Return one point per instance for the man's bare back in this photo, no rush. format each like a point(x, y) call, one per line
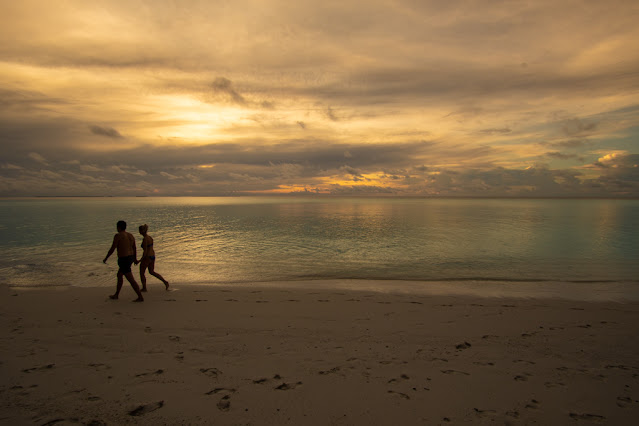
point(125, 244)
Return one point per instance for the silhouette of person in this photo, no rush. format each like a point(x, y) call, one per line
point(124, 242)
point(148, 258)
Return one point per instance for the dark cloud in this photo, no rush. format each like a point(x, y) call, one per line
point(109, 132)
point(360, 190)
point(331, 114)
point(225, 86)
point(577, 127)
point(495, 131)
point(560, 156)
point(571, 143)
point(27, 101)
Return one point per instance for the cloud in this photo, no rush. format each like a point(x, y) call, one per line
point(577, 127)
point(299, 95)
point(225, 86)
point(9, 166)
point(337, 189)
point(351, 171)
point(559, 155)
point(169, 176)
point(37, 157)
point(109, 132)
point(331, 114)
point(495, 131)
point(89, 168)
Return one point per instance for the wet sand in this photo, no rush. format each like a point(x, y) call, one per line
point(265, 355)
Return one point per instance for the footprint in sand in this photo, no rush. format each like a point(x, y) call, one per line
point(523, 361)
point(463, 346)
point(100, 367)
point(455, 372)
point(331, 371)
point(402, 377)
point(617, 367)
point(489, 336)
point(623, 401)
point(403, 395)
point(147, 408)
point(221, 390)
point(224, 404)
point(533, 404)
point(44, 367)
point(265, 380)
point(483, 413)
point(586, 416)
point(155, 373)
point(211, 372)
point(288, 386)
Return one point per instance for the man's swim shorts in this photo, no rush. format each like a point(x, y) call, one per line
point(125, 263)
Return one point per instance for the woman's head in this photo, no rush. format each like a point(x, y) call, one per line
point(143, 229)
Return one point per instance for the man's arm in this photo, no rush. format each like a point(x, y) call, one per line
point(113, 247)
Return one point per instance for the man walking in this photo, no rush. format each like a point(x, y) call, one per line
point(124, 242)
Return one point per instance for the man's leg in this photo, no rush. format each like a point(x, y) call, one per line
point(136, 287)
point(118, 287)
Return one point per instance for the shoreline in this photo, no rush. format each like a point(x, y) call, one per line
point(595, 291)
point(264, 354)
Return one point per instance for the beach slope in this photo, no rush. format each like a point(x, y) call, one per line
point(265, 355)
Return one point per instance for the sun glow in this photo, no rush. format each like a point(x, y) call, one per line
point(194, 121)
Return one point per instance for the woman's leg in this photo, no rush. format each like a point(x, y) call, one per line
point(156, 275)
point(143, 265)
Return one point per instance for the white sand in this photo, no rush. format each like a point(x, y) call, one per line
point(260, 355)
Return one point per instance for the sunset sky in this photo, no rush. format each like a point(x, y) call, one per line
point(404, 97)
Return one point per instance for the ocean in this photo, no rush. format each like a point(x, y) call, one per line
point(582, 243)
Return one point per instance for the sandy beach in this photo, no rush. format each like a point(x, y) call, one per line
point(264, 355)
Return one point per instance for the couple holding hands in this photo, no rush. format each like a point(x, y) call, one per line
point(124, 243)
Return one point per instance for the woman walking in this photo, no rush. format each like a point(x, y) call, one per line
point(148, 258)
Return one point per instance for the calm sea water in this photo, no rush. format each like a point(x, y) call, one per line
point(247, 239)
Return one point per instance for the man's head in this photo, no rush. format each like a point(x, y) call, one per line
point(121, 225)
